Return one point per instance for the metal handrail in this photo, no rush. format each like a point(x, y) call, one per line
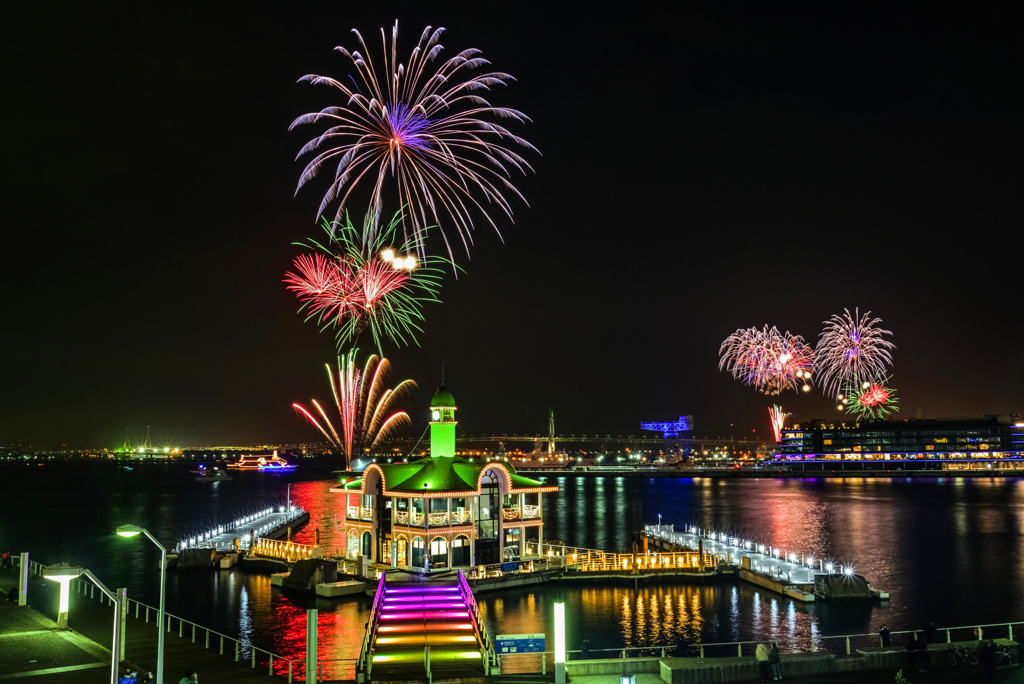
point(281, 549)
point(88, 589)
point(365, 663)
point(474, 614)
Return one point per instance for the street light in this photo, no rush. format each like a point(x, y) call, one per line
point(64, 573)
point(131, 531)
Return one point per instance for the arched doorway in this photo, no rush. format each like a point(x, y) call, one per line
point(403, 550)
point(352, 545)
point(461, 556)
point(417, 552)
point(366, 545)
point(493, 487)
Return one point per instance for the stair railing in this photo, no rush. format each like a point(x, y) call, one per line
point(486, 647)
point(365, 664)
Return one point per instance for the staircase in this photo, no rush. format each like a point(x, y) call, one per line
point(424, 631)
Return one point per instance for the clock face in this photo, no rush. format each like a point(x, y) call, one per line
point(436, 414)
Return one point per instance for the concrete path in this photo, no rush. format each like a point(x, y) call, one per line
point(34, 651)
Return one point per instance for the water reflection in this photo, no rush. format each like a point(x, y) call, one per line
point(922, 540)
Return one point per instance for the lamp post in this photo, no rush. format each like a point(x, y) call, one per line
point(64, 573)
point(560, 642)
point(131, 531)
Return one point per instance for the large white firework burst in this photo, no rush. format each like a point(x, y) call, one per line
point(424, 131)
point(851, 347)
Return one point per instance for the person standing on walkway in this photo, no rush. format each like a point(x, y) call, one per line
point(190, 677)
point(987, 656)
point(774, 659)
point(883, 636)
point(761, 658)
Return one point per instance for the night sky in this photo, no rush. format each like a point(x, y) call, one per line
point(703, 169)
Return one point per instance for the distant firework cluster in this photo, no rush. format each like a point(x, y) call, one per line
point(868, 398)
point(850, 363)
point(767, 359)
point(851, 347)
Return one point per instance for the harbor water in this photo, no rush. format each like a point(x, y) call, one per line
point(947, 550)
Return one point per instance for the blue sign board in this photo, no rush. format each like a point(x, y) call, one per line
point(510, 567)
point(519, 643)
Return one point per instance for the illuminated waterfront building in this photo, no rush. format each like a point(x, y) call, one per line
point(942, 440)
point(442, 511)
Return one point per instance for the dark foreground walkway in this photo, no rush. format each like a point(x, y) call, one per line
point(33, 651)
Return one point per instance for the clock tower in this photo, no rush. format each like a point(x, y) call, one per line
point(442, 424)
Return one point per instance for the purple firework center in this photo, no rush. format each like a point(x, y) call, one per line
point(408, 128)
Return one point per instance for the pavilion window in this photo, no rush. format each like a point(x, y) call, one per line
point(438, 553)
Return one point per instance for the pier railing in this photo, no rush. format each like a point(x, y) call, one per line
point(592, 560)
point(294, 669)
point(283, 550)
point(240, 650)
point(365, 663)
point(242, 527)
point(845, 644)
point(486, 647)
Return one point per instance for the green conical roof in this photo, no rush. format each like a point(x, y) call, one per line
point(442, 399)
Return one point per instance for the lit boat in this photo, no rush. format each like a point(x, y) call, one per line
point(213, 474)
point(273, 463)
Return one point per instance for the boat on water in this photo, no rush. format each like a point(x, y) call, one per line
point(264, 464)
point(213, 474)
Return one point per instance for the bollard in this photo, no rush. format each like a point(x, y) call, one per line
point(847, 645)
point(222, 644)
point(147, 615)
point(739, 650)
point(702, 650)
point(207, 638)
point(289, 672)
point(193, 632)
point(238, 650)
point(168, 623)
point(270, 667)
point(181, 628)
point(254, 658)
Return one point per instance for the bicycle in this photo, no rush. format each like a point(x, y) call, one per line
point(958, 655)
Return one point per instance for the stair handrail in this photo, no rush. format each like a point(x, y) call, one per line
point(474, 614)
point(365, 663)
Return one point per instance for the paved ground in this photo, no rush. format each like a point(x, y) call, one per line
point(33, 650)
